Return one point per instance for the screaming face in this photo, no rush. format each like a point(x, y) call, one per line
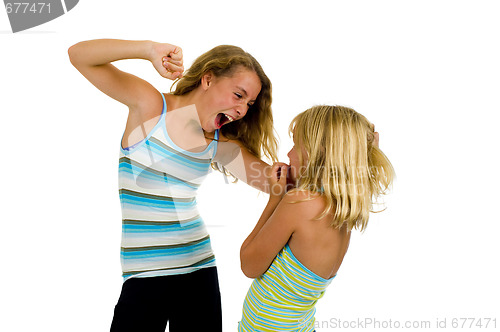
point(228, 98)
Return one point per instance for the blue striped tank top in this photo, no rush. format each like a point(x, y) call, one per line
point(283, 298)
point(162, 231)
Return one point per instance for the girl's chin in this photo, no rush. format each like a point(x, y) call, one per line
point(209, 127)
point(212, 126)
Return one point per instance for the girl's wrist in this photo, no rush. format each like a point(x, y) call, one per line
point(277, 192)
point(149, 48)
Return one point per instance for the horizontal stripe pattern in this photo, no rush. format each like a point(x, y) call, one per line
point(162, 231)
point(283, 298)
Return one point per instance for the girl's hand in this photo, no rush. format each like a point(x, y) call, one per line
point(167, 60)
point(278, 180)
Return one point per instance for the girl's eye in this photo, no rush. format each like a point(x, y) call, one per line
point(249, 105)
point(238, 95)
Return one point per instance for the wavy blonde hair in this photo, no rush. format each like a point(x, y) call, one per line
point(342, 164)
point(255, 130)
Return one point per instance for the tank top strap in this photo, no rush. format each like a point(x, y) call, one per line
point(164, 109)
point(163, 115)
point(215, 143)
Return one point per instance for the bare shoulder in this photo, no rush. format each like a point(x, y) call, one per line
point(304, 196)
point(224, 139)
point(151, 104)
point(228, 149)
point(146, 110)
point(303, 203)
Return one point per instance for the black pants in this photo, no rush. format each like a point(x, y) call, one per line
point(189, 302)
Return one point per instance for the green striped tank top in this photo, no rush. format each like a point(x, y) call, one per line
point(283, 298)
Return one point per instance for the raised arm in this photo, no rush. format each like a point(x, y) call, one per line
point(93, 59)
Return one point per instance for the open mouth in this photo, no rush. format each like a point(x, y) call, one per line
point(222, 119)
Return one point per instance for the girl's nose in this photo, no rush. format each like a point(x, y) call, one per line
point(241, 110)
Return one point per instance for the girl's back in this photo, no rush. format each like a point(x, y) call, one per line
point(315, 243)
point(284, 297)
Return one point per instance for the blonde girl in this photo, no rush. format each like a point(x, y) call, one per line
point(219, 113)
point(298, 244)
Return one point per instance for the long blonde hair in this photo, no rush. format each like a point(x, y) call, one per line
point(255, 130)
point(342, 164)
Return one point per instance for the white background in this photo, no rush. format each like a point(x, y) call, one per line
point(425, 72)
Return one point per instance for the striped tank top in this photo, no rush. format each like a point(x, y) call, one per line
point(283, 298)
point(162, 231)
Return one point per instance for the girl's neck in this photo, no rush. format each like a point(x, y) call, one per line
point(180, 101)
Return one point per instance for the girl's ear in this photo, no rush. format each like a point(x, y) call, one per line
point(207, 80)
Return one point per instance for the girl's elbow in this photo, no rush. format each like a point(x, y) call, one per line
point(76, 54)
point(249, 272)
point(73, 54)
point(247, 266)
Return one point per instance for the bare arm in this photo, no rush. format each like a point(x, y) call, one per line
point(274, 228)
point(243, 165)
point(93, 59)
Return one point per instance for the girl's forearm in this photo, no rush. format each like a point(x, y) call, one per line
point(266, 214)
point(102, 51)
